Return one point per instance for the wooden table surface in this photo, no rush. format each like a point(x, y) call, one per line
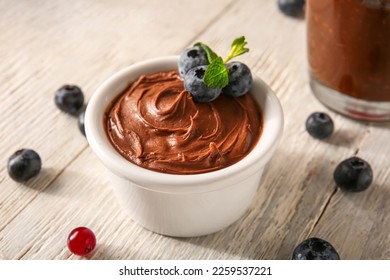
point(45, 44)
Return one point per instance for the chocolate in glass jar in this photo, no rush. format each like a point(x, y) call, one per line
point(349, 56)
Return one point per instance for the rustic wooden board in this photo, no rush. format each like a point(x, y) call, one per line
point(46, 44)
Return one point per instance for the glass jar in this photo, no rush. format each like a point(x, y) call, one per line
point(349, 56)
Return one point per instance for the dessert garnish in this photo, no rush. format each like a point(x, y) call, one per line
point(206, 75)
point(315, 249)
point(319, 125)
point(195, 84)
point(240, 79)
point(81, 241)
point(353, 174)
point(24, 164)
point(190, 58)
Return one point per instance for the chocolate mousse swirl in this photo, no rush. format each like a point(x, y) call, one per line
point(156, 124)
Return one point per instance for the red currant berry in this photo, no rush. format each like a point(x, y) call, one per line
point(81, 241)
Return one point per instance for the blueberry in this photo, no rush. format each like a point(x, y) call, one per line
point(292, 8)
point(80, 122)
point(319, 125)
point(315, 249)
point(353, 174)
point(190, 58)
point(194, 83)
point(23, 165)
point(240, 79)
point(69, 98)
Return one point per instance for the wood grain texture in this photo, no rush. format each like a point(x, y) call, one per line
point(46, 44)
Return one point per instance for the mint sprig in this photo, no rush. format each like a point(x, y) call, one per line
point(237, 48)
point(216, 75)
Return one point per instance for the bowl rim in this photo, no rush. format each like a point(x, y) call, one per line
point(273, 122)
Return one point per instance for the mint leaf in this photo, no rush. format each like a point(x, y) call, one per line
point(211, 55)
point(216, 75)
point(237, 48)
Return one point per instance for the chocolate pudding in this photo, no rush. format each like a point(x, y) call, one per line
point(156, 124)
point(349, 46)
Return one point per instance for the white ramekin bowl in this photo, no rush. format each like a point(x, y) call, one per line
point(181, 205)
